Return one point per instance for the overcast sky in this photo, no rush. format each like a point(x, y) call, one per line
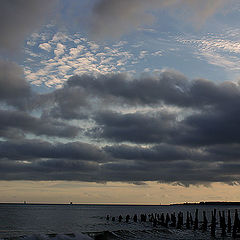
point(137, 97)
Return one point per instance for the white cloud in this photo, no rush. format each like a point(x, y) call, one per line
point(73, 55)
point(230, 63)
point(213, 44)
point(222, 50)
point(157, 53)
point(151, 30)
point(31, 43)
point(143, 54)
point(120, 44)
point(60, 37)
point(45, 46)
point(60, 49)
point(76, 51)
point(93, 46)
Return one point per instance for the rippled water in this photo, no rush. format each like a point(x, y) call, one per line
point(50, 222)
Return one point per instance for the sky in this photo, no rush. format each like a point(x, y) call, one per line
point(112, 101)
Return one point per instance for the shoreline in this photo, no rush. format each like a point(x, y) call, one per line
point(120, 204)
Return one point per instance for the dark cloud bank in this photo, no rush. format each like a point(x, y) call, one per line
point(163, 128)
point(19, 18)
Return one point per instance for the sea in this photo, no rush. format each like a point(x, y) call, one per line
point(86, 222)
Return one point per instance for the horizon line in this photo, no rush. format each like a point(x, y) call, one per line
point(128, 204)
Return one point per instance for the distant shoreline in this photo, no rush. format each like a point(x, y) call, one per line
point(118, 204)
point(210, 203)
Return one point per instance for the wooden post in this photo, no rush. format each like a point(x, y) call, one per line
point(205, 222)
point(191, 219)
point(229, 222)
point(154, 222)
point(220, 219)
point(135, 218)
point(167, 220)
point(127, 218)
point(173, 219)
point(188, 221)
point(179, 222)
point(223, 224)
point(120, 218)
point(235, 225)
point(213, 223)
point(196, 220)
point(162, 219)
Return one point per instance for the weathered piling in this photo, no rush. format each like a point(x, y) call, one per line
point(213, 223)
point(143, 217)
point(173, 220)
point(188, 221)
point(229, 227)
point(180, 223)
point(180, 220)
point(120, 218)
point(151, 217)
point(196, 220)
point(191, 219)
point(154, 222)
point(223, 224)
point(220, 219)
point(205, 222)
point(167, 220)
point(235, 224)
point(127, 218)
point(162, 219)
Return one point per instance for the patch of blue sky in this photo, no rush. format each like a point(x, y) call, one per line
point(169, 50)
point(211, 51)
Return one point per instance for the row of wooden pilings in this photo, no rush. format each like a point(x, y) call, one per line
point(178, 222)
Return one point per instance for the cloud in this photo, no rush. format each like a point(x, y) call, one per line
point(79, 57)
point(59, 49)
point(135, 127)
point(31, 150)
point(45, 46)
point(18, 18)
point(163, 127)
point(217, 50)
point(14, 89)
point(24, 123)
point(162, 152)
point(205, 111)
point(168, 88)
point(217, 126)
point(114, 18)
point(41, 160)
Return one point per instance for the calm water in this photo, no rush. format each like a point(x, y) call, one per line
point(35, 222)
